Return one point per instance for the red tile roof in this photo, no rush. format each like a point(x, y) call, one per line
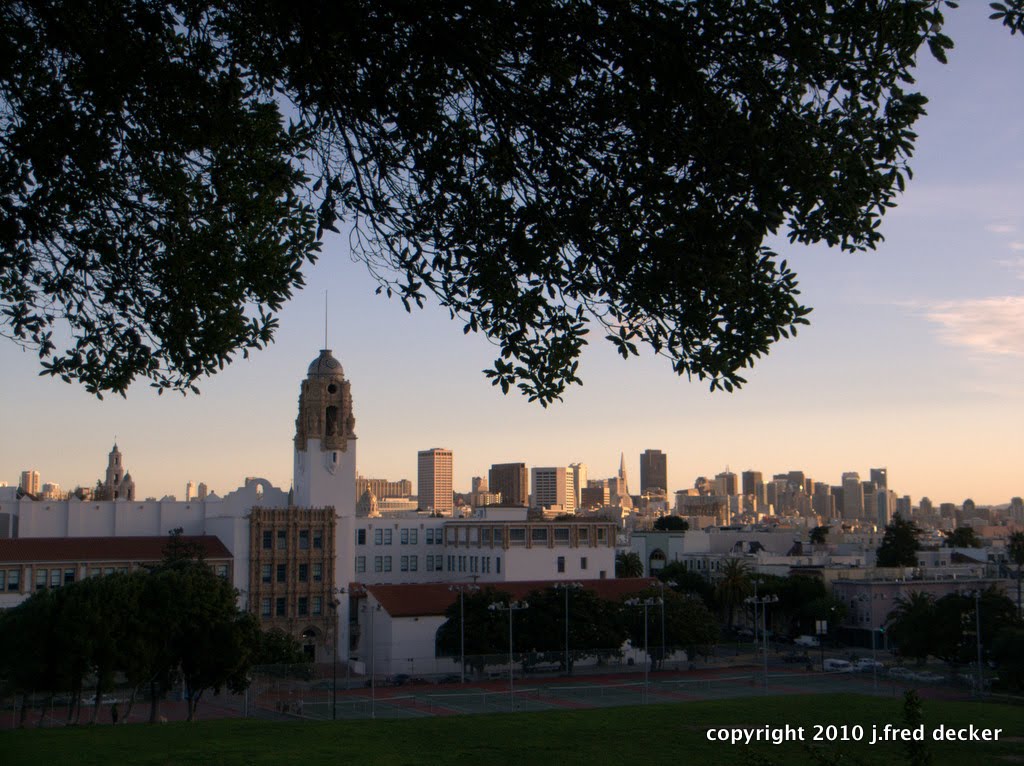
point(426, 599)
point(46, 549)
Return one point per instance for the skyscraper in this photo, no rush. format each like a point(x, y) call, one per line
point(579, 481)
point(553, 487)
point(853, 496)
point(653, 470)
point(434, 480)
point(30, 482)
point(511, 481)
point(880, 477)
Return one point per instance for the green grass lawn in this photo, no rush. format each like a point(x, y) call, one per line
point(619, 736)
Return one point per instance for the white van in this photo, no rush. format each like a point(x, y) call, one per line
point(806, 641)
point(838, 666)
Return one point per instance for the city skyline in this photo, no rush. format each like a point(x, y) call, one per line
point(912, 360)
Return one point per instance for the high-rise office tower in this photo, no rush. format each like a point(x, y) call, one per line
point(30, 482)
point(853, 496)
point(511, 481)
point(750, 480)
point(653, 470)
point(553, 487)
point(434, 480)
point(880, 477)
point(726, 484)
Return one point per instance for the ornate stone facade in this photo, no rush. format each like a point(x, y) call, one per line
point(325, 406)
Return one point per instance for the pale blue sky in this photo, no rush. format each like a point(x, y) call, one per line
point(914, 358)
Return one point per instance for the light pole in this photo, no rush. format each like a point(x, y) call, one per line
point(662, 584)
point(373, 685)
point(646, 603)
point(764, 602)
point(567, 586)
point(510, 607)
point(461, 590)
point(334, 604)
point(977, 635)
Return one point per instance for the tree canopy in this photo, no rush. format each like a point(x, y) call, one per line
point(962, 537)
point(539, 170)
point(899, 544)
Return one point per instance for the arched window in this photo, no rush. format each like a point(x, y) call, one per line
point(656, 560)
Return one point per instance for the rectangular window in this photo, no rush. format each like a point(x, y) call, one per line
point(3, 579)
point(94, 572)
point(562, 535)
point(430, 562)
point(378, 563)
point(222, 571)
point(303, 539)
point(41, 575)
point(318, 605)
point(583, 533)
point(487, 535)
point(387, 537)
point(602, 534)
point(282, 539)
point(360, 537)
point(318, 573)
point(474, 564)
point(387, 563)
point(414, 536)
point(462, 563)
point(266, 573)
point(474, 535)
point(497, 564)
point(403, 563)
point(108, 571)
point(360, 564)
point(265, 607)
point(54, 578)
point(303, 606)
point(318, 540)
point(485, 565)
point(303, 572)
point(451, 563)
point(279, 606)
point(539, 534)
point(282, 572)
point(583, 563)
point(561, 563)
point(404, 537)
point(429, 538)
point(268, 539)
point(378, 536)
point(413, 563)
point(517, 536)
point(69, 577)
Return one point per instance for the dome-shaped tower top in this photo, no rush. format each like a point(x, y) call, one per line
point(326, 366)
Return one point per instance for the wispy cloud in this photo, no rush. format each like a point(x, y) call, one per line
point(1017, 245)
point(989, 326)
point(1001, 228)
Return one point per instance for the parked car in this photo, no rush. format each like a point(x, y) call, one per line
point(865, 664)
point(838, 666)
point(902, 674)
point(806, 641)
point(926, 676)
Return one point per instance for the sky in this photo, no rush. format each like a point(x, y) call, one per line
point(914, 359)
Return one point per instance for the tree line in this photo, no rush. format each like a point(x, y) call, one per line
point(176, 622)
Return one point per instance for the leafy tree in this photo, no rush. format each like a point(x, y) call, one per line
point(537, 169)
point(819, 535)
point(1015, 548)
point(733, 586)
point(595, 626)
point(628, 564)
point(1008, 651)
point(276, 647)
point(689, 624)
point(962, 537)
point(911, 625)
point(688, 581)
point(955, 628)
point(899, 544)
point(486, 633)
point(671, 523)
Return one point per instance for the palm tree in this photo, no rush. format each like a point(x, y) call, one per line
point(733, 585)
point(1015, 548)
point(628, 564)
point(912, 625)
